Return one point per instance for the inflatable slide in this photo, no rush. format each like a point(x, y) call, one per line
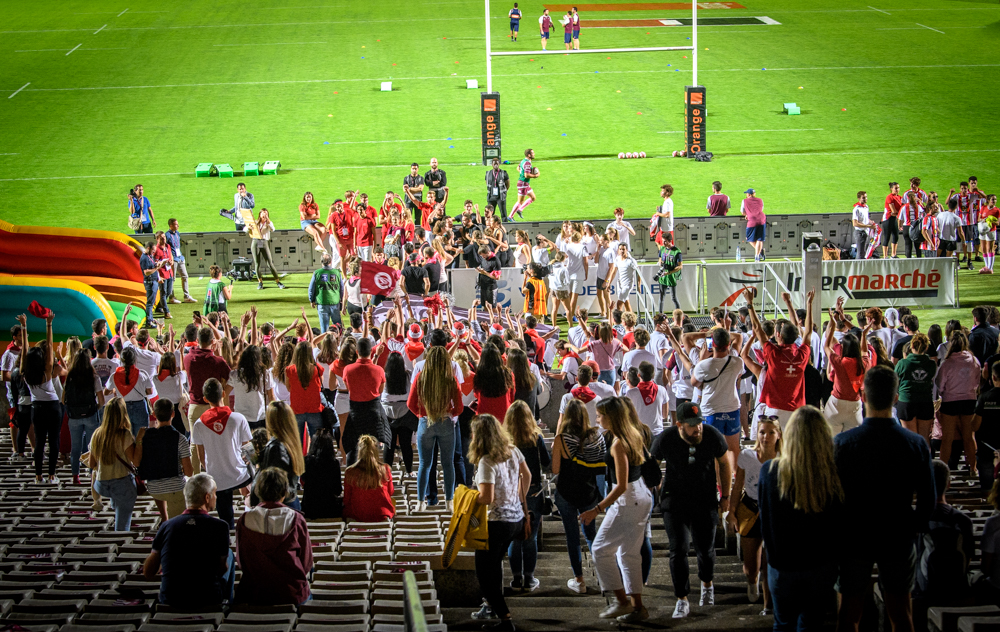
point(76, 305)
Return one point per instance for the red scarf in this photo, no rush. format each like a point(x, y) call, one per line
point(413, 350)
point(188, 345)
point(648, 392)
point(119, 377)
point(570, 354)
point(215, 419)
point(163, 374)
point(584, 394)
point(13, 346)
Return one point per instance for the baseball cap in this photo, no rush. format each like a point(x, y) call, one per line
point(749, 191)
point(690, 413)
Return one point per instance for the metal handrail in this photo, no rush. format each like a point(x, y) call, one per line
point(414, 619)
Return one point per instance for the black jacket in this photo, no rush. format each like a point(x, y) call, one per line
point(275, 454)
point(502, 183)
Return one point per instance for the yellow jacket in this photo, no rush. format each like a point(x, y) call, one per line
point(468, 526)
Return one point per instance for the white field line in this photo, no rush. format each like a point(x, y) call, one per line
point(929, 28)
point(733, 131)
point(416, 140)
point(41, 50)
point(74, 48)
point(121, 14)
point(879, 10)
point(100, 29)
point(10, 154)
point(19, 89)
point(270, 44)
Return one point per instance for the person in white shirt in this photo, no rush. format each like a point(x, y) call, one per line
point(577, 268)
point(625, 271)
point(261, 248)
point(862, 225)
point(103, 365)
point(587, 390)
point(559, 285)
point(717, 376)
point(663, 218)
point(252, 387)
point(133, 386)
point(949, 227)
point(653, 402)
point(569, 363)
point(624, 228)
point(659, 345)
point(579, 334)
point(147, 359)
point(605, 257)
point(638, 354)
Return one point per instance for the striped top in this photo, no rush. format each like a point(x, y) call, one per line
point(590, 454)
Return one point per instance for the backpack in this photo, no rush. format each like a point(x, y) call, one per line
point(941, 567)
point(80, 399)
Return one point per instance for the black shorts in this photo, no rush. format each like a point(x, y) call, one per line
point(970, 232)
point(890, 231)
point(907, 411)
point(601, 284)
point(947, 245)
point(962, 407)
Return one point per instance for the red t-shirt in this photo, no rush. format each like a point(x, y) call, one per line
point(343, 227)
point(385, 211)
point(785, 383)
point(892, 205)
point(202, 364)
point(364, 380)
point(304, 400)
point(163, 252)
point(364, 227)
point(496, 406)
point(426, 208)
point(308, 211)
point(847, 380)
point(368, 505)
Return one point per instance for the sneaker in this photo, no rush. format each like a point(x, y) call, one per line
point(189, 299)
point(532, 584)
point(970, 266)
point(682, 609)
point(52, 479)
point(517, 583)
point(707, 596)
point(635, 616)
point(616, 610)
point(485, 612)
point(753, 592)
point(320, 249)
point(281, 286)
point(520, 213)
point(76, 480)
point(575, 586)
point(510, 218)
point(174, 301)
point(260, 285)
point(766, 612)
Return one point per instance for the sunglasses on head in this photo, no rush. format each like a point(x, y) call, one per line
point(767, 418)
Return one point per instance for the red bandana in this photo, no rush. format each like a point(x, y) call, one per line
point(584, 394)
point(119, 377)
point(648, 392)
point(414, 350)
point(215, 419)
point(163, 374)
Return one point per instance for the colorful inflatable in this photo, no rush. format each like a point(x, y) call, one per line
point(76, 305)
point(43, 250)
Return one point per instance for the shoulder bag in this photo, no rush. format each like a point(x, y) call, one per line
point(747, 512)
point(650, 470)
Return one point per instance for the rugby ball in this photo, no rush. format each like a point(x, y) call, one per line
point(675, 154)
point(621, 155)
point(642, 154)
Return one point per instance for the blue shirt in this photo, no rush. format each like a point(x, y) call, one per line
point(882, 466)
point(192, 547)
point(515, 16)
point(146, 263)
point(143, 209)
point(174, 241)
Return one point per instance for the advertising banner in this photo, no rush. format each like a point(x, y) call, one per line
point(508, 294)
point(865, 283)
point(490, 114)
point(694, 120)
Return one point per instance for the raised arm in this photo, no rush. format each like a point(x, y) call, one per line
point(679, 351)
point(758, 329)
point(749, 362)
point(807, 334)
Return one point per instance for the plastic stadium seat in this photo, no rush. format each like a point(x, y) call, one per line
point(254, 618)
point(253, 609)
point(190, 627)
point(27, 626)
point(345, 627)
point(384, 606)
point(389, 627)
point(97, 619)
point(343, 607)
point(979, 624)
point(265, 627)
point(107, 627)
point(945, 618)
point(182, 618)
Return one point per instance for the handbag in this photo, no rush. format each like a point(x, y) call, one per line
point(135, 222)
point(650, 470)
point(746, 515)
point(524, 533)
point(140, 485)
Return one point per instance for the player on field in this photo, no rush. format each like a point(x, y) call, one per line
point(978, 204)
point(515, 22)
point(989, 217)
point(567, 22)
point(966, 239)
point(545, 26)
point(912, 212)
point(525, 196)
point(576, 29)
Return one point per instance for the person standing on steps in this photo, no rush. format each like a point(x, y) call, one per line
point(515, 22)
point(752, 209)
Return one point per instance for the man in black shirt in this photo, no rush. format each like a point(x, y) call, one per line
point(882, 466)
point(193, 552)
point(415, 277)
point(433, 269)
point(436, 181)
point(689, 499)
point(911, 325)
point(100, 328)
point(987, 420)
point(982, 338)
point(497, 183)
point(415, 183)
point(488, 265)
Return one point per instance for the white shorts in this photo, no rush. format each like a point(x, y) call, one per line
point(576, 286)
point(342, 403)
point(365, 252)
point(842, 414)
point(990, 235)
point(624, 291)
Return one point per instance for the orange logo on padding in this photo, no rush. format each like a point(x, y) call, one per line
point(489, 105)
point(696, 98)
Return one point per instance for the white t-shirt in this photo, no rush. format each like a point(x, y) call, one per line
point(747, 460)
point(280, 390)
point(147, 361)
point(571, 367)
point(559, 279)
point(138, 392)
point(222, 451)
point(635, 357)
point(604, 261)
point(7, 363)
point(578, 337)
point(651, 415)
point(105, 368)
point(249, 403)
point(658, 341)
point(667, 223)
point(623, 235)
point(589, 244)
point(600, 389)
point(861, 215)
point(626, 271)
point(506, 506)
point(948, 224)
point(575, 254)
point(682, 377)
point(540, 255)
point(719, 395)
point(169, 388)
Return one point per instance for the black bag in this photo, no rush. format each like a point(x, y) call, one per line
point(577, 483)
point(650, 470)
point(408, 421)
point(916, 236)
point(703, 156)
point(941, 567)
point(80, 399)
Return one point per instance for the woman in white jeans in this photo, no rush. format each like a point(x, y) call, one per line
point(620, 537)
point(846, 366)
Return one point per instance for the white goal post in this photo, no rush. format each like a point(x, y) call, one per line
point(693, 48)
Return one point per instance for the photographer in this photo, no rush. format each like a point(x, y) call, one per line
point(141, 218)
point(497, 183)
point(241, 200)
point(150, 279)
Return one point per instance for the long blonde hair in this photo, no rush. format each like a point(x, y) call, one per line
point(807, 474)
point(281, 424)
point(436, 384)
point(622, 428)
point(520, 425)
point(489, 440)
point(109, 439)
point(368, 472)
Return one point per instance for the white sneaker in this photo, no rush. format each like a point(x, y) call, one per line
point(532, 585)
point(707, 596)
point(616, 610)
point(449, 505)
point(577, 587)
point(422, 506)
point(682, 609)
point(753, 592)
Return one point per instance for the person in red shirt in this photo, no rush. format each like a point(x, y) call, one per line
point(304, 379)
point(341, 226)
point(429, 211)
point(847, 363)
point(309, 220)
point(890, 221)
point(493, 384)
point(368, 485)
point(784, 388)
point(365, 381)
point(162, 253)
point(364, 232)
point(389, 206)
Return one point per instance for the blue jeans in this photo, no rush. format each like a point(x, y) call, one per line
point(122, 493)
point(442, 435)
point(608, 377)
point(571, 524)
point(150, 299)
point(459, 462)
point(138, 415)
point(80, 432)
point(313, 420)
point(327, 314)
point(166, 291)
point(800, 597)
point(524, 554)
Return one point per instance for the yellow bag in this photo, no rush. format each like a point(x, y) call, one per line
point(746, 517)
point(468, 527)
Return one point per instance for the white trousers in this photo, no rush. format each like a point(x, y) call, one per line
point(842, 414)
point(617, 548)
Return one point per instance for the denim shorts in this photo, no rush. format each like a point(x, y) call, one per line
point(726, 423)
point(307, 223)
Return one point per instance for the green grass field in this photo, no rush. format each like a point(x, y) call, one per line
point(115, 94)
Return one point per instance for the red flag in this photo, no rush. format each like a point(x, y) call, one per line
point(378, 279)
point(35, 309)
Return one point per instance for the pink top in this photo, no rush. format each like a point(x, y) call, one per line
point(753, 210)
point(604, 354)
point(958, 377)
